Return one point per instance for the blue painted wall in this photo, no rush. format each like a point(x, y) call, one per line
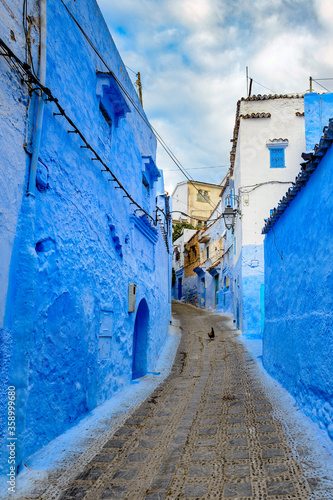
point(252, 280)
point(238, 293)
point(226, 303)
point(210, 291)
point(226, 293)
point(190, 290)
point(70, 253)
point(298, 334)
point(318, 108)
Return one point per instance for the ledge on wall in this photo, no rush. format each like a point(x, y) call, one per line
point(256, 115)
point(143, 225)
point(151, 166)
point(109, 92)
point(213, 270)
point(199, 271)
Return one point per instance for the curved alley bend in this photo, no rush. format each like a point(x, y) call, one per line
point(208, 431)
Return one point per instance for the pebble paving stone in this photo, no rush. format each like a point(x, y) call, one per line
point(207, 432)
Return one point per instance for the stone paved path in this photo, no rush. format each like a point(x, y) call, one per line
point(208, 431)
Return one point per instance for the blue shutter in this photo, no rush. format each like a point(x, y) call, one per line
point(277, 157)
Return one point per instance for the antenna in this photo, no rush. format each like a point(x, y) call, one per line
point(138, 83)
point(247, 80)
point(250, 88)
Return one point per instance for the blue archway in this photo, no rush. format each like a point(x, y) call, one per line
point(140, 341)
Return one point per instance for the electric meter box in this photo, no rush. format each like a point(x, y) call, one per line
point(131, 297)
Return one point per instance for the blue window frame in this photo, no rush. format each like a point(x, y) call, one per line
point(277, 158)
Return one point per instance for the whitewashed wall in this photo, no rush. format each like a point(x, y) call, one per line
point(179, 201)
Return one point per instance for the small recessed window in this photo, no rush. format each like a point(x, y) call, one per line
point(207, 252)
point(145, 184)
point(203, 196)
point(277, 158)
point(276, 152)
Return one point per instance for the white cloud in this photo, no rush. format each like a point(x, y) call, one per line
point(325, 12)
point(192, 56)
point(190, 12)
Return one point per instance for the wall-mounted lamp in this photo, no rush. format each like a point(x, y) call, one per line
point(229, 215)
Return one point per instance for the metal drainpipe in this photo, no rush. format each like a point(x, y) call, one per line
point(40, 106)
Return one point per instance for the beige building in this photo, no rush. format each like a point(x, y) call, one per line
point(193, 202)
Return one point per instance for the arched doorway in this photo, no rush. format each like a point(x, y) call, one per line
point(140, 341)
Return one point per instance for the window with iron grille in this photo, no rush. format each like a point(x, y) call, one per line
point(277, 158)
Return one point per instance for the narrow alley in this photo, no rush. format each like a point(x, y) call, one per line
point(208, 431)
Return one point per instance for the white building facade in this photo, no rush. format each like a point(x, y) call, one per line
point(178, 263)
point(269, 137)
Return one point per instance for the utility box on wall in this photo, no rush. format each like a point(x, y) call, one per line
point(131, 297)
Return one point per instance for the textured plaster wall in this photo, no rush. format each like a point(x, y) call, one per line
point(298, 338)
point(252, 279)
point(67, 334)
point(237, 293)
point(190, 290)
point(180, 202)
point(178, 265)
point(318, 110)
point(13, 175)
point(253, 160)
point(226, 301)
point(260, 188)
point(210, 292)
point(226, 298)
point(202, 209)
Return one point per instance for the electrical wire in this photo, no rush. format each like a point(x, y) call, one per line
point(27, 38)
point(195, 168)
point(255, 186)
point(130, 69)
point(262, 85)
point(195, 218)
point(129, 97)
point(321, 84)
point(50, 98)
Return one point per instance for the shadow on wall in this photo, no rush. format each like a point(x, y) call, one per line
point(140, 341)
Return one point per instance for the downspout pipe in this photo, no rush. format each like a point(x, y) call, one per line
point(22, 307)
point(40, 104)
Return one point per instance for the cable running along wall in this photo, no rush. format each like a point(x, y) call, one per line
point(128, 96)
point(29, 78)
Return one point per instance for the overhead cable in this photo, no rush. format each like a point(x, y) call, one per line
point(31, 78)
point(252, 187)
point(129, 97)
point(195, 218)
point(195, 168)
point(263, 86)
point(321, 84)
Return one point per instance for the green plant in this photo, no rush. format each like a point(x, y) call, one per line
point(178, 229)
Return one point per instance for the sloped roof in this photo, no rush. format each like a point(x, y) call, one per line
point(265, 97)
point(255, 115)
point(258, 97)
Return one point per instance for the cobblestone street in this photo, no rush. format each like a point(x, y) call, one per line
point(208, 431)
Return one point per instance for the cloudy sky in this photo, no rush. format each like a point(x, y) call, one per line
point(192, 56)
